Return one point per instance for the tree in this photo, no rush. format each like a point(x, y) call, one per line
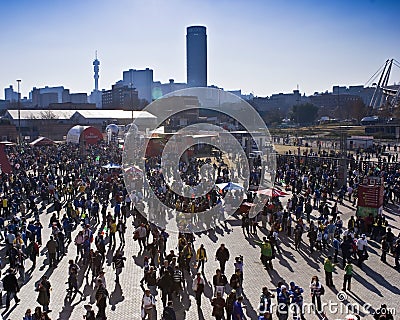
point(273, 116)
point(304, 113)
point(47, 115)
point(358, 110)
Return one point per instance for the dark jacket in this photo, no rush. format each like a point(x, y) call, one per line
point(220, 281)
point(10, 283)
point(222, 254)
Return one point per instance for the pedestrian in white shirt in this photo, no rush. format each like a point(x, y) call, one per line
point(148, 305)
point(362, 246)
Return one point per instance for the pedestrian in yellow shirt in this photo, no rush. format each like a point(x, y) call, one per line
point(201, 258)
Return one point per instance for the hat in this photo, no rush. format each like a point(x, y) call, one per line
point(363, 235)
point(292, 284)
point(283, 287)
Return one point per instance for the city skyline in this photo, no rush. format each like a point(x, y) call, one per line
point(256, 46)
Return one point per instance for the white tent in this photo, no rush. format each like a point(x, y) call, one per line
point(88, 135)
point(74, 134)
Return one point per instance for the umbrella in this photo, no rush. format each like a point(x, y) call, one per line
point(272, 192)
point(111, 166)
point(229, 186)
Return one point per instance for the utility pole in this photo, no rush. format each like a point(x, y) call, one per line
point(19, 112)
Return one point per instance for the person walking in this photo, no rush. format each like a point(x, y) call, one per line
point(118, 264)
point(362, 246)
point(396, 253)
point(336, 246)
point(275, 241)
point(113, 231)
point(44, 293)
point(28, 315)
point(52, 246)
point(222, 256)
point(329, 267)
point(73, 281)
point(312, 236)
point(201, 258)
point(10, 285)
point(218, 305)
point(198, 288)
point(316, 291)
point(348, 273)
point(347, 248)
point(140, 235)
point(230, 300)
point(265, 300)
point(169, 312)
point(150, 278)
point(219, 282)
point(283, 303)
point(121, 228)
point(385, 248)
point(266, 252)
point(166, 284)
point(79, 240)
point(237, 312)
point(148, 305)
point(101, 300)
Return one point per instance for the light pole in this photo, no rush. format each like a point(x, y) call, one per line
point(19, 112)
point(131, 89)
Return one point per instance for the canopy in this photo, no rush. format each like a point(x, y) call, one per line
point(85, 134)
point(7, 143)
point(229, 186)
point(111, 166)
point(272, 192)
point(42, 141)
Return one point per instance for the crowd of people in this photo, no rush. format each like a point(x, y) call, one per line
point(90, 205)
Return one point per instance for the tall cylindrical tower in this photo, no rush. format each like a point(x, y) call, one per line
point(196, 56)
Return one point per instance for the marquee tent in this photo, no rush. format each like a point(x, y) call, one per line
point(84, 134)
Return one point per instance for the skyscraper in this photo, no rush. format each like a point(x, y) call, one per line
point(196, 56)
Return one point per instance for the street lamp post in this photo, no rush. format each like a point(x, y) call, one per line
point(131, 87)
point(19, 112)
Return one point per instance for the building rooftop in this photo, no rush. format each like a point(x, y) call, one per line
point(42, 114)
point(87, 114)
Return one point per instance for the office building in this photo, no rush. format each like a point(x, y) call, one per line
point(141, 81)
point(43, 97)
point(10, 95)
point(120, 97)
point(196, 56)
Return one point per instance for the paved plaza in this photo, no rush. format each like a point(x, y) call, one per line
point(375, 284)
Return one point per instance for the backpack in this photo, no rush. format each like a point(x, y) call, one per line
point(322, 290)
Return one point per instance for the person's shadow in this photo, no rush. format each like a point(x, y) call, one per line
point(116, 296)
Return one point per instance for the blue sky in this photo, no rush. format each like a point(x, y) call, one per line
point(261, 46)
